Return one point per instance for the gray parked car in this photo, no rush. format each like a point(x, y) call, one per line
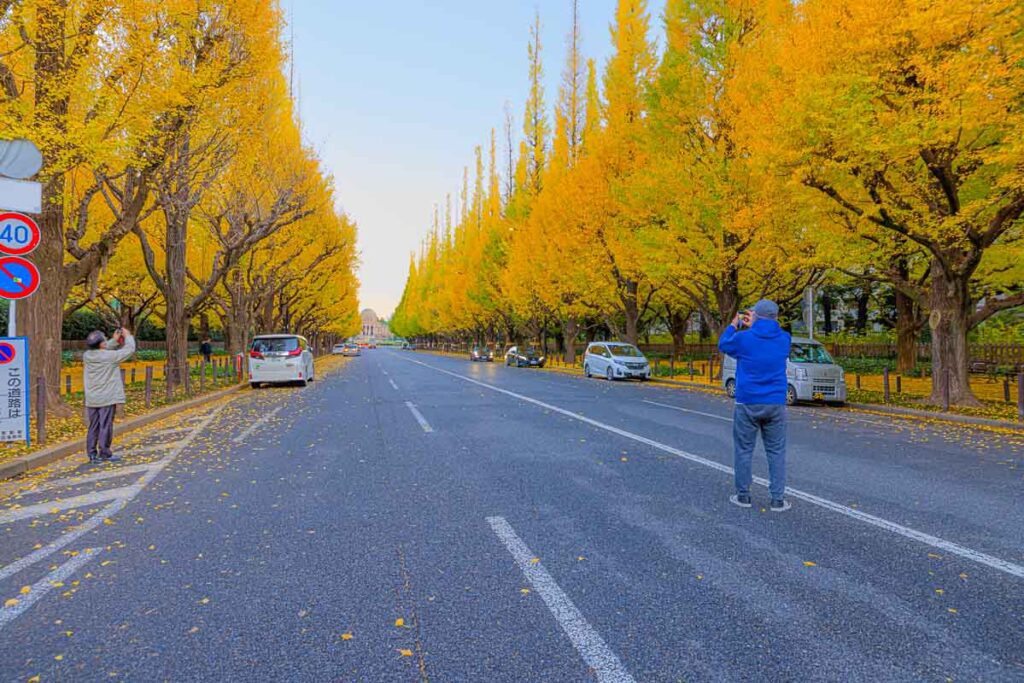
point(810, 370)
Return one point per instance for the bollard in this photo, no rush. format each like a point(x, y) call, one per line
point(945, 390)
point(168, 391)
point(188, 380)
point(689, 369)
point(202, 376)
point(885, 384)
point(133, 375)
point(1020, 397)
point(41, 411)
point(672, 367)
point(1006, 388)
point(856, 381)
point(899, 384)
point(67, 384)
point(711, 369)
point(149, 386)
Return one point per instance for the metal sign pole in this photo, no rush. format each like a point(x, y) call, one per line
point(12, 324)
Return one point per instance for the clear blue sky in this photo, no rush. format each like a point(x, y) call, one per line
point(395, 95)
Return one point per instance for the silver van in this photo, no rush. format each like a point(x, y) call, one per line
point(812, 374)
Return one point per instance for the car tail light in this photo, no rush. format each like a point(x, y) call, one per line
point(255, 354)
point(295, 352)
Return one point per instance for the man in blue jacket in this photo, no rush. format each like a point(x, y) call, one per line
point(760, 354)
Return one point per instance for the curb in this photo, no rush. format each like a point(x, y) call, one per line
point(935, 415)
point(15, 466)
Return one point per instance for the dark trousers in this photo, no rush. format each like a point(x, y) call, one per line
point(101, 431)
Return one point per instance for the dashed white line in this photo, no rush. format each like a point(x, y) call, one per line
point(393, 385)
point(877, 522)
point(687, 410)
point(419, 417)
point(255, 425)
point(45, 585)
point(62, 505)
point(595, 652)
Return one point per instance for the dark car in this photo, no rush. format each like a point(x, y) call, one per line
point(524, 357)
point(482, 354)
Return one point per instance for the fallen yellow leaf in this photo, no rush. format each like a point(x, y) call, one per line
point(346, 636)
point(25, 590)
point(58, 657)
point(405, 653)
point(399, 622)
point(204, 601)
point(535, 560)
point(808, 563)
point(524, 591)
point(10, 602)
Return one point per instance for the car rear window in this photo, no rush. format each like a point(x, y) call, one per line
point(275, 344)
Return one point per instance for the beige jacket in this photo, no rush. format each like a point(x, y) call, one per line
point(102, 374)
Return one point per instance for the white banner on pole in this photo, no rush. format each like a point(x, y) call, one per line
point(14, 389)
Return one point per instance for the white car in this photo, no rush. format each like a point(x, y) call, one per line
point(280, 358)
point(615, 360)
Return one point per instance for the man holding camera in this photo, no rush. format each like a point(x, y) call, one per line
point(761, 352)
point(104, 389)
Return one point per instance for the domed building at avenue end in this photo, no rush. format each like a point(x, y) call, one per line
point(374, 329)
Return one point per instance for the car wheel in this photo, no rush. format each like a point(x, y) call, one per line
point(608, 375)
point(254, 385)
point(586, 370)
point(791, 395)
point(730, 388)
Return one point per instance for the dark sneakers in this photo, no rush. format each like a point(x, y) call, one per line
point(740, 499)
point(780, 505)
point(111, 458)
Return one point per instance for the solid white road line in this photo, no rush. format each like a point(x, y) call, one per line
point(585, 639)
point(419, 417)
point(878, 522)
point(45, 585)
point(57, 506)
point(255, 425)
point(687, 410)
point(395, 386)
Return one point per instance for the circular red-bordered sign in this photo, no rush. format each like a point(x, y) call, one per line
point(7, 353)
point(19, 234)
point(19, 277)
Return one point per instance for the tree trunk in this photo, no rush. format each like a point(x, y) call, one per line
point(570, 328)
point(949, 321)
point(631, 311)
point(908, 327)
point(826, 310)
point(177, 317)
point(40, 316)
point(863, 299)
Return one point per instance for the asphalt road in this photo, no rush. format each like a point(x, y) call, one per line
point(415, 517)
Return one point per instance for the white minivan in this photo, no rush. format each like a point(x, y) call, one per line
point(280, 358)
point(615, 360)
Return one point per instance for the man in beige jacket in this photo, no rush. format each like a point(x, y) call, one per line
point(104, 389)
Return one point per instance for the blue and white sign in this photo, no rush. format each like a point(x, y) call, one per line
point(14, 389)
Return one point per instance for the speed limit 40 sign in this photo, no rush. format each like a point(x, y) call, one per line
point(19, 234)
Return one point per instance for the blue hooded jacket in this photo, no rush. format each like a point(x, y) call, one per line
point(760, 354)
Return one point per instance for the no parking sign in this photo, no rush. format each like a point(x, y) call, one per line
point(14, 395)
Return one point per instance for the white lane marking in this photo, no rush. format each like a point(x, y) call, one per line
point(585, 639)
point(395, 386)
point(55, 507)
point(419, 417)
point(878, 522)
point(68, 538)
point(45, 585)
point(384, 371)
point(687, 410)
point(255, 425)
point(88, 479)
point(109, 511)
